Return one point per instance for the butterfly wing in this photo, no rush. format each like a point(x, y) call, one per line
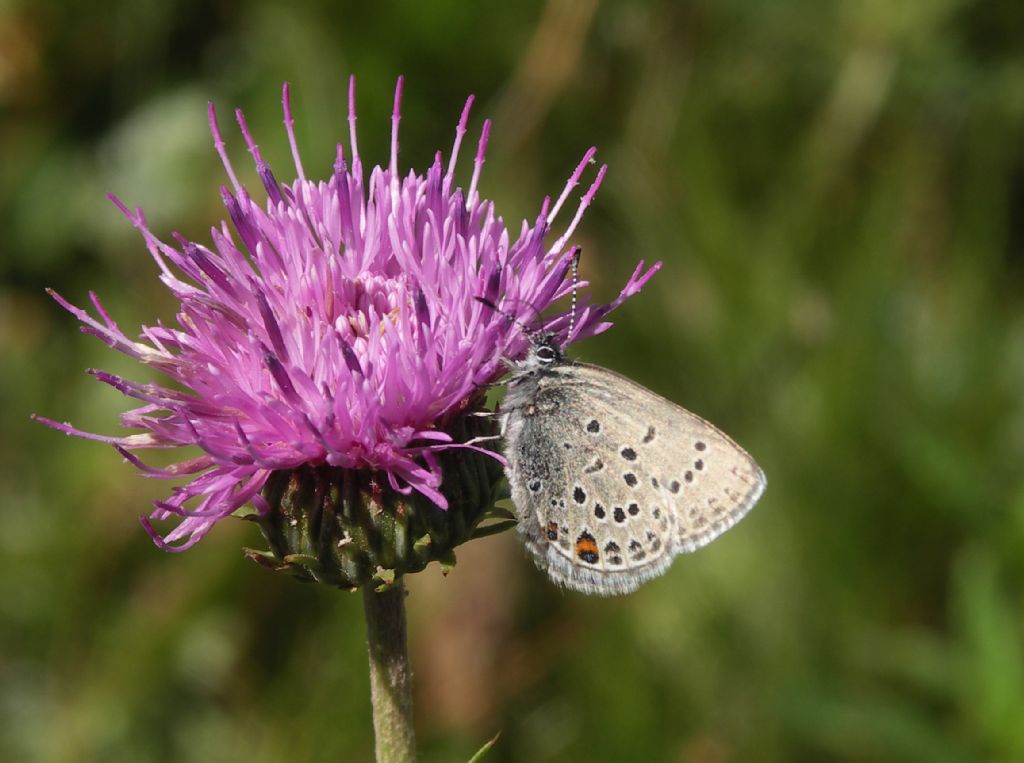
point(612, 481)
point(709, 481)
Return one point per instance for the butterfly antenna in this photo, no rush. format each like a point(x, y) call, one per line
point(532, 334)
point(527, 332)
point(575, 282)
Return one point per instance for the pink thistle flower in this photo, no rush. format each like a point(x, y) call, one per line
point(338, 324)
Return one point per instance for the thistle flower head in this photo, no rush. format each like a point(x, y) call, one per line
point(336, 323)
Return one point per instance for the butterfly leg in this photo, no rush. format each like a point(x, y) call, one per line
point(483, 438)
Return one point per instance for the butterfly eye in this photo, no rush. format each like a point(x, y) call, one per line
point(545, 354)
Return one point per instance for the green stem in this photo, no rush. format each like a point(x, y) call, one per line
point(390, 677)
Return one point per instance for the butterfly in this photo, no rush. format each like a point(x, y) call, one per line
point(611, 481)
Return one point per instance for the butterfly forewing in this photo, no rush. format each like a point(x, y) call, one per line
point(708, 480)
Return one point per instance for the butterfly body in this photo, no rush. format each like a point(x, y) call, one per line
point(610, 480)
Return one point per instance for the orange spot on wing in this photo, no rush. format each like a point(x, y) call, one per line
point(585, 546)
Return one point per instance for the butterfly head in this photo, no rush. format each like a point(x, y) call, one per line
point(545, 351)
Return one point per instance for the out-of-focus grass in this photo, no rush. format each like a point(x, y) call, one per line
point(837, 189)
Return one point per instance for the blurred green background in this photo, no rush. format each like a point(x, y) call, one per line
point(837, 191)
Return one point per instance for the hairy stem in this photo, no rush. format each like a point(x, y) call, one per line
point(390, 676)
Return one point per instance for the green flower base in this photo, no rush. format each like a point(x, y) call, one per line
point(348, 528)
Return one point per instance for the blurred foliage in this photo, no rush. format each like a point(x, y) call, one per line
point(837, 190)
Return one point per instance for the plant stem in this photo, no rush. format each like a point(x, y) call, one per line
point(390, 677)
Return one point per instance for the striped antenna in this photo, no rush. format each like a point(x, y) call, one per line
point(575, 281)
point(527, 331)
